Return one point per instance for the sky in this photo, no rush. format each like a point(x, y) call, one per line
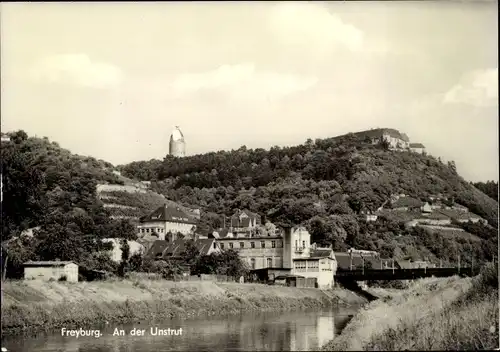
point(112, 80)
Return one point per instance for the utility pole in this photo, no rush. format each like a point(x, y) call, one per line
point(350, 258)
point(440, 263)
point(363, 261)
point(392, 266)
point(459, 263)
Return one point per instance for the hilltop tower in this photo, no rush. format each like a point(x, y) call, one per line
point(177, 146)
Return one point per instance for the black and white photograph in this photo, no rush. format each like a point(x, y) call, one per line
point(249, 176)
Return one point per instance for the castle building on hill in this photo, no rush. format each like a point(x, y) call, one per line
point(177, 146)
point(396, 139)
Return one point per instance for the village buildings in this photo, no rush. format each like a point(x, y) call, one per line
point(417, 148)
point(166, 222)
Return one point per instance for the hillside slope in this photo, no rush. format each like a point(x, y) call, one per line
point(56, 194)
point(325, 185)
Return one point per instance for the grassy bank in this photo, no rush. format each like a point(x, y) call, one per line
point(41, 305)
point(432, 314)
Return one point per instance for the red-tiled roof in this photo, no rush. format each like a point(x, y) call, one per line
point(344, 260)
point(170, 214)
point(404, 264)
point(405, 137)
point(157, 249)
point(416, 145)
point(379, 132)
point(177, 247)
point(320, 253)
point(245, 222)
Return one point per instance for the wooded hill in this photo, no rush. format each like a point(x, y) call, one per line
point(323, 185)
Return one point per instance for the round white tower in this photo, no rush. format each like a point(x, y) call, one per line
point(177, 146)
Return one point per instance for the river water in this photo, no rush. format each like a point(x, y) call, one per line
point(298, 331)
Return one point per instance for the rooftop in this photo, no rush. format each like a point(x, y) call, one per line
point(170, 214)
point(47, 263)
point(416, 145)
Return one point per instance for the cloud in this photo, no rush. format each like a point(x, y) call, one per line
point(313, 26)
point(477, 88)
point(76, 69)
point(243, 82)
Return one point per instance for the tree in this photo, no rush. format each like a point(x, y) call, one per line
point(384, 143)
point(125, 257)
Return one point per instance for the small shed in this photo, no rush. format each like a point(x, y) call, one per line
point(46, 270)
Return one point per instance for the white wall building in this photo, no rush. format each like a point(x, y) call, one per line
point(167, 219)
point(47, 270)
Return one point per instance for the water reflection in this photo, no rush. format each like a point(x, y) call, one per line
point(259, 332)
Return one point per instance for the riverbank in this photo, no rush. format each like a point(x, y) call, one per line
point(432, 314)
point(38, 305)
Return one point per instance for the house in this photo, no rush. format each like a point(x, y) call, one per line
point(222, 233)
point(47, 270)
point(426, 208)
point(320, 265)
point(347, 261)
point(167, 220)
point(460, 208)
point(396, 139)
point(273, 256)
point(406, 204)
point(417, 148)
point(403, 264)
point(175, 250)
point(147, 241)
point(461, 216)
point(433, 218)
point(257, 252)
point(244, 221)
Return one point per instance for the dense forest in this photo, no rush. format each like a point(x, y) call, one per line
point(53, 191)
point(490, 188)
point(324, 185)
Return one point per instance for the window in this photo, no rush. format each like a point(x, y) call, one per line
point(273, 244)
point(252, 262)
point(215, 245)
point(262, 244)
point(147, 230)
point(300, 265)
point(252, 244)
point(231, 245)
point(269, 262)
point(303, 244)
point(296, 243)
point(312, 266)
point(280, 244)
point(242, 244)
point(222, 246)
